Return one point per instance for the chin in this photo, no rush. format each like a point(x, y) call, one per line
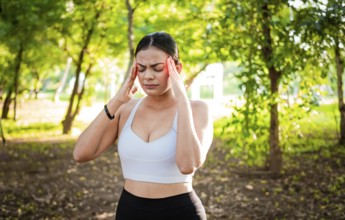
point(151, 92)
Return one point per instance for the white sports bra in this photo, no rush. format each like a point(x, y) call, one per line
point(149, 161)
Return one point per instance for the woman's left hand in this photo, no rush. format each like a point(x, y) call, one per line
point(176, 79)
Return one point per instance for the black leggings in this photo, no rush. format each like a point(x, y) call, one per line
point(185, 206)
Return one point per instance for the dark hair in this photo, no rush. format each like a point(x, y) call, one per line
point(161, 40)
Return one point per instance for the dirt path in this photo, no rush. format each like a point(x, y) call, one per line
point(46, 183)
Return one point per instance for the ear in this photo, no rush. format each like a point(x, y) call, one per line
point(179, 67)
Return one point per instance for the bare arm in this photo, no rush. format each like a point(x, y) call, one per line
point(98, 136)
point(102, 132)
point(194, 135)
point(194, 126)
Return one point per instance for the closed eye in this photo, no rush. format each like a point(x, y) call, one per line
point(158, 67)
point(141, 69)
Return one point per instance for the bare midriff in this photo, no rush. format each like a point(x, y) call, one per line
point(156, 190)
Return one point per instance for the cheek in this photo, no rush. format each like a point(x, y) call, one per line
point(140, 77)
point(164, 75)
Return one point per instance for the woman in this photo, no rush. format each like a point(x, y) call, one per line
point(162, 138)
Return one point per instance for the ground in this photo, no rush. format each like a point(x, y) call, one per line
point(46, 183)
point(40, 180)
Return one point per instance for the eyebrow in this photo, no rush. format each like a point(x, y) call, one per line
point(153, 65)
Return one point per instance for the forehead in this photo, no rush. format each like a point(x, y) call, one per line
point(151, 55)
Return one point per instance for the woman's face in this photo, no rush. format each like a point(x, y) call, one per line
point(152, 71)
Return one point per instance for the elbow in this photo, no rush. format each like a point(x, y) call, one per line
point(187, 169)
point(82, 152)
point(78, 157)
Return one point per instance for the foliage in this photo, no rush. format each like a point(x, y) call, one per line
point(267, 53)
point(29, 25)
point(321, 27)
point(207, 31)
point(306, 130)
point(262, 52)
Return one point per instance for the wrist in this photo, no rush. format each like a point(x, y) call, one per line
point(111, 107)
point(116, 101)
point(106, 110)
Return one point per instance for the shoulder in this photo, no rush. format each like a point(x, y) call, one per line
point(127, 107)
point(202, 115)
point(199, 106)
point(201, 109)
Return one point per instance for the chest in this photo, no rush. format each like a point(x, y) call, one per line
point(151, 127)
point(132, 146)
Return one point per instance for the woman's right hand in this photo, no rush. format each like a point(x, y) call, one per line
point(128, 88)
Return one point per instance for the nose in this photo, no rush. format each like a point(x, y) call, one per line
point(149, 74)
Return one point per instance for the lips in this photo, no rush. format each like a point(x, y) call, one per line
point(150, 86)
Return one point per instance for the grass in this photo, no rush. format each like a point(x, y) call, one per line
point(323, 118)
point(38, 130)
point(40, 120)
point(319, 130)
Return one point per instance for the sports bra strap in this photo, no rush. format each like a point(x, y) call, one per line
point(175, 122)
point(132, 114)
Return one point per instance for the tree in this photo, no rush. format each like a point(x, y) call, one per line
point(87, 24)
point(258, 34)
point(130, 35)
point(24, 29)
point(321, 25)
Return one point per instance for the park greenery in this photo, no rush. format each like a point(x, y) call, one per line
point(283, 62)
point(282, 49)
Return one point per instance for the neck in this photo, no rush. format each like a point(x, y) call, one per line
point(160, 102)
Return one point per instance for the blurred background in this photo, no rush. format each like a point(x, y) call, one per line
point(272, 72)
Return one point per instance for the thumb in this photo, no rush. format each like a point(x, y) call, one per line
point(134, 89)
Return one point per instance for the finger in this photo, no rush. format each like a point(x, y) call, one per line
point(170, 66)
point(134, 71)
point(174, 66)
point(173, 70)
point(134, 89)
point(167, 65)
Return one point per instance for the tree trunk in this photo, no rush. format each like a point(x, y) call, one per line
point(69, 117)
point(275, 160)
point(72, 110)
point(2, 133)
point(81, 93)
point(130, 38)
point(340, 69)
point(7, 103)
point(16, 77)
point(276, 157)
